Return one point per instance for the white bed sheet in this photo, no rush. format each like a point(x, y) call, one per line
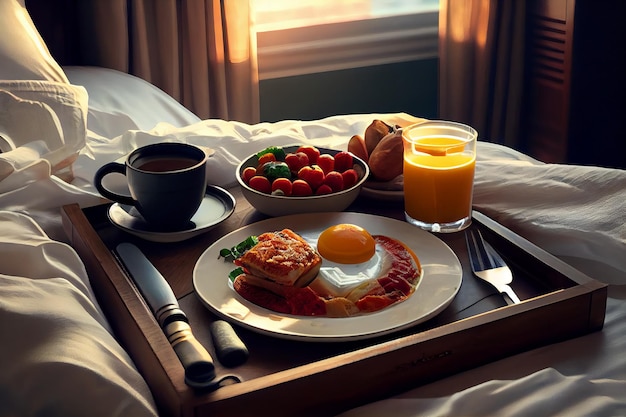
point(576, 213)
point(58, 356)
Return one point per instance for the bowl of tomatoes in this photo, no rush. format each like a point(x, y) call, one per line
point(283, 180)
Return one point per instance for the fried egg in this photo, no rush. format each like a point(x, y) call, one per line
point(350, 256)
point(346, 244)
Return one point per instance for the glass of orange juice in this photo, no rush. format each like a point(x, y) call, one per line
point(439, 162)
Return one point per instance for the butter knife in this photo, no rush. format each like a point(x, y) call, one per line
point(196, 360)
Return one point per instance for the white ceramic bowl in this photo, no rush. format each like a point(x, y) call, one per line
point(274, 205)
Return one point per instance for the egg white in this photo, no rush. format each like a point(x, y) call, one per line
point(338, 280)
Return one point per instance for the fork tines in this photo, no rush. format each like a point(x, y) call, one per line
point(480, 257)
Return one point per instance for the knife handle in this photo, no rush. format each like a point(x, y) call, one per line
point(229, 348)
point(197, 362)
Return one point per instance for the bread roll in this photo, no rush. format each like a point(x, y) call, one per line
point(356, 146)
point(386, 161)
point(374, 133)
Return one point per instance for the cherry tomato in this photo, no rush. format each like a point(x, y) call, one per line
point(343, 161)
point(282, 186)
point(260, 183)
point(334, 180)
point(301, 188)
point(313, 175)
point(248, 173)
point(323, 189)
point(326, 162)
point(312, 152)
point(296, 161)
point(350, 177)
point(266, 157)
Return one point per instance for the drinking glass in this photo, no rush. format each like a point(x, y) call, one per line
point(439, 163)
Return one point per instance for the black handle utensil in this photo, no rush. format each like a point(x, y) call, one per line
point(196, 360)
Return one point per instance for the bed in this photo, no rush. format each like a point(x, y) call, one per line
point(59, 354)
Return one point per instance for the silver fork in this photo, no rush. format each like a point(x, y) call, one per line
point(488, 265)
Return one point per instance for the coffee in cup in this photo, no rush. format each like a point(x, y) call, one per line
point(167, 183)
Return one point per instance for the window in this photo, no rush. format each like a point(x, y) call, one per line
point(307, 36)
point(276, 14)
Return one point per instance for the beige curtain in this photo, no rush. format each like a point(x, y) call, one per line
point(481, 58)
point(201, 52)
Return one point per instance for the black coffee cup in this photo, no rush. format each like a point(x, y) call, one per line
point(167, 182)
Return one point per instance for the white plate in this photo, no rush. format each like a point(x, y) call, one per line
point(217, 205)
point(440, 282)
point(389, 191)
point(386, 195)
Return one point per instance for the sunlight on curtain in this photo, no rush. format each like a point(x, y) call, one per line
point(201, 52)
point(482, 22)
point(237, 16)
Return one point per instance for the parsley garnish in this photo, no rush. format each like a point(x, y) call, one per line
point(239, 249)
point(235, 273)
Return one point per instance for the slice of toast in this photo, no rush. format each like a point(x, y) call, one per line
point(283, 257)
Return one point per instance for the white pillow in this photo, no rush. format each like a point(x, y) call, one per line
point(119, 102)
point(29, 73)
point(23, 53)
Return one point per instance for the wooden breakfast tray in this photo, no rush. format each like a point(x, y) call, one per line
point(286, 377)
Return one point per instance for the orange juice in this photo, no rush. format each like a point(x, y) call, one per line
point(438, 179)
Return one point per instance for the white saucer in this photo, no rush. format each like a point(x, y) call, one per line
point(217, 205)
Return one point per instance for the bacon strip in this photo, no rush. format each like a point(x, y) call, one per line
point(404, 271)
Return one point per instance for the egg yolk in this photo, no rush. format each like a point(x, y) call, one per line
point(346, 244)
